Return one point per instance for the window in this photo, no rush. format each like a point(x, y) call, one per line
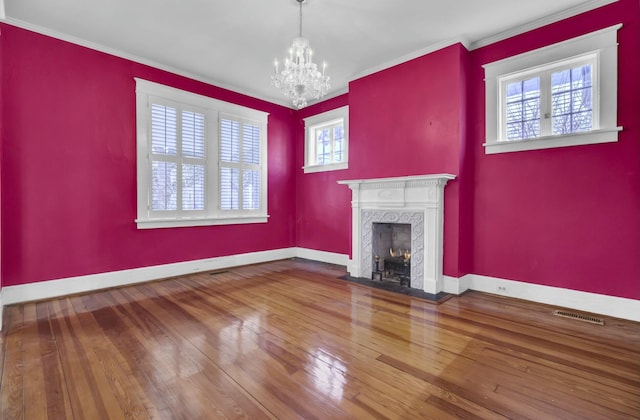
point(326, 141)
point(561, 95)
point(199, 161)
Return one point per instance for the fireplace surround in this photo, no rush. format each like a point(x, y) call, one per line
point(414, 200)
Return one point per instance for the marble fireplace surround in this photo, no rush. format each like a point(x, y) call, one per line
point(415, 200)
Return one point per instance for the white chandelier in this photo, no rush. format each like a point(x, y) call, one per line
point(300, 78)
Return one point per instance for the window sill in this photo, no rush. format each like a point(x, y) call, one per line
point(172, 223)
point(549, 142)
point(325, 168)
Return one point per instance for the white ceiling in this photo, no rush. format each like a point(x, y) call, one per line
point(233, 43)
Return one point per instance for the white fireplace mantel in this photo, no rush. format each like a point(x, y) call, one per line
point(416, 200)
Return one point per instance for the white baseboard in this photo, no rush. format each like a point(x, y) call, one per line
point(589, 302)
point(323, 256)
point(583, 301)
point(68, 286)
point(454, 285)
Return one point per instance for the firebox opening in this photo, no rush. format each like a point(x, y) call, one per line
point(391, 246)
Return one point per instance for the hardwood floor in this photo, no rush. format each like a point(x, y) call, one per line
point(289, 340)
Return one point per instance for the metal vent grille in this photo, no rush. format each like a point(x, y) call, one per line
point(579, 317)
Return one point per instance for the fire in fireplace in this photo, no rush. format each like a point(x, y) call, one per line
point(391, 246)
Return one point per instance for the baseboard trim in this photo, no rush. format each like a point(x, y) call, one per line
point(323, 256)
point(455, 285)
point(584, 301)
point(566, 298)
point(81, 284)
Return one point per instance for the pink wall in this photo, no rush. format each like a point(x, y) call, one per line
point(406, 120)
point(69, 172)
point(322, 217)
point(566, 217)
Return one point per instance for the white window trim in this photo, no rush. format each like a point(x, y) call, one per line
point(313, 122)
point(605, 45)
point(213, 109)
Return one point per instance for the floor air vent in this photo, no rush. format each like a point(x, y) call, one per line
point(579, 317)
point(214, 273)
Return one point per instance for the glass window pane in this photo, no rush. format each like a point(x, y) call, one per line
point(229, 188)
point(531, 129)
point(531, 88)
point(561, 81)
point(561, 124)
point(514, 112)
point(522, 109)
point(251, 144)
point(229, 141)
point(164, 121)
point(581, 76)
point(193, 187)
point(164, 186)
point(581, 100)
point(582, 121)
point(193, 134)
point(323, 137)
point(514, 131)
point(572, 104)
point(561, 103)
point(514, 92)
point(531, 109)
point(251, 190)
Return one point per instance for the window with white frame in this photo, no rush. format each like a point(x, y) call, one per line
point(200, 161)
point(327, 140)
point(561, 95)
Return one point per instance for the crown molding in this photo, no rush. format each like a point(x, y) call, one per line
point(410, 56)
point(538, 23)
point(132, 57)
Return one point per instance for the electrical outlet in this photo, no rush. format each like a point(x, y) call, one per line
point(501, 289)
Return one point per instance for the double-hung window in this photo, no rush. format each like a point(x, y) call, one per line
point(200, 161)
point(561, 95)
point(327, 141)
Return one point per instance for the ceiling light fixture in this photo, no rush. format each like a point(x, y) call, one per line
point(300, 78)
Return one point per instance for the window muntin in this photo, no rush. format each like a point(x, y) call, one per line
point(326, 141)
point(200, 161)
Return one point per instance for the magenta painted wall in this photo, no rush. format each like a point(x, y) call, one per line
point(69, 173)
point(323, 208)
point(566, 217)
point(406, 120)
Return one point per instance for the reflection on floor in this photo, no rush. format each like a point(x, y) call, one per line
point(396, 287)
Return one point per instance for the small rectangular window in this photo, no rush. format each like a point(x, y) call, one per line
point(561, 95)
point(326, 141)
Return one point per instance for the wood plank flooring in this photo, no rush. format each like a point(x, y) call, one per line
point(289, 340)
